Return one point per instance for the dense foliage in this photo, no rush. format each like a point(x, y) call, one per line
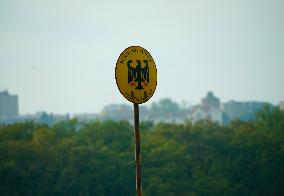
point(243, 158)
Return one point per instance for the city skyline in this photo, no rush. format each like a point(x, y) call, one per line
point(59, 56)
point(184, 104)
point(165, 110)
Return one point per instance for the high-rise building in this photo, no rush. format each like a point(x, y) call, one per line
point(210, 101)
point(9, 107)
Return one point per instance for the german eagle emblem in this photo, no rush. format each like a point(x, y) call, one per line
point(138, 76)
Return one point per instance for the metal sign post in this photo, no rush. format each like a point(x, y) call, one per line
point(137, 149)
point(136, 79)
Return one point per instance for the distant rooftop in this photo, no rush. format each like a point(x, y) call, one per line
point(4, 92)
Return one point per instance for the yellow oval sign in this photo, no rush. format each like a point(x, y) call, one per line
point(136, 74)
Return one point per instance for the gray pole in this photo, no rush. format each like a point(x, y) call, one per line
point(137, 149)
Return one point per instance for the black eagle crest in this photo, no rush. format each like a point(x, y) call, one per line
point(138, 74)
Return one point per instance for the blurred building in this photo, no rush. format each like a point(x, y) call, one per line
point(86, 117)
point(210, 102)
point(208, 110)
point(242, 110)
point(281, 105)
point(211, 109)
point(9, 106)
point(117, 112)
point(216, 115)
point(197, 113)
point(39, 117)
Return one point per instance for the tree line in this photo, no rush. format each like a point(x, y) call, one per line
point(97, 158)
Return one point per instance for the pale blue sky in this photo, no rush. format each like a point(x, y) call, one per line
point(59, 55)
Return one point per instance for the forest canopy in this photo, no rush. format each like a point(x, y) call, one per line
point(97, 158)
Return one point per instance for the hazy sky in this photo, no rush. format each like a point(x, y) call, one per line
point(60, 55)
